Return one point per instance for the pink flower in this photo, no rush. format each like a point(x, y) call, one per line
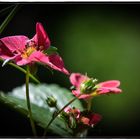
point(78, 80)
point(75, 112)
point(91, 120)
point(24, 51)
point(109, 86)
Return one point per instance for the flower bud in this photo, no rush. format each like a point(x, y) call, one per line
point(51, 101)
point(88, 86)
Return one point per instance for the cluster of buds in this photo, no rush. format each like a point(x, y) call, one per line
point(77, 119)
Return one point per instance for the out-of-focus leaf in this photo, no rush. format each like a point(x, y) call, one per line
point(42, 113)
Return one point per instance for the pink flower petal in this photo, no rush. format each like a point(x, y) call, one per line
point(67, 109)
point(41, 37)
point(54, 61)
point(111, 83)
point(76, 112)
point(76, 79)
point(95, 118)
point(109, 87)
point(83, 96)
point(15, 44)
point(91, 119)
point(22, 61)
point(85, 120)
point(104, 90)
point(5, 53)
point(76, 92)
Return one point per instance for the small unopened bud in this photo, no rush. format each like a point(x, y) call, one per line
point(51, 101)
point(88, 86)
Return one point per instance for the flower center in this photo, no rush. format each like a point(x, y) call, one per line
point(88, 86)
point(30, 48)
point(28, 52)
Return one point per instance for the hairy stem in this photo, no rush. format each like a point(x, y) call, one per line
point(28, 102)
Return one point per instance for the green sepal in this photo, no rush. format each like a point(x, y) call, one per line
point(51, 50)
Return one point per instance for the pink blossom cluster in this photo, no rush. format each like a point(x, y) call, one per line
point(90, 119)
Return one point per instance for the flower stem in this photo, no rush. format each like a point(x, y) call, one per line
point(59, 113)
point(28, 102)
point(5, 10)
point(89, 103)
point(8, 19)
point(23, 70)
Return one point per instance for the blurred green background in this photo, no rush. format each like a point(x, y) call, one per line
point(100, 39)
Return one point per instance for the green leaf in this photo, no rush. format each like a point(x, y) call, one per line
point(8, 19)
point(42, 113)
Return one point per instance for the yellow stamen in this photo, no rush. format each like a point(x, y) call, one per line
point(28, 52)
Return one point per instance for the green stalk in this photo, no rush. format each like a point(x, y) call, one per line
point(28, 102)
point(8, 19)
point(45, 131)
point(5, 10)
point(89, 104)
point(24, 71)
